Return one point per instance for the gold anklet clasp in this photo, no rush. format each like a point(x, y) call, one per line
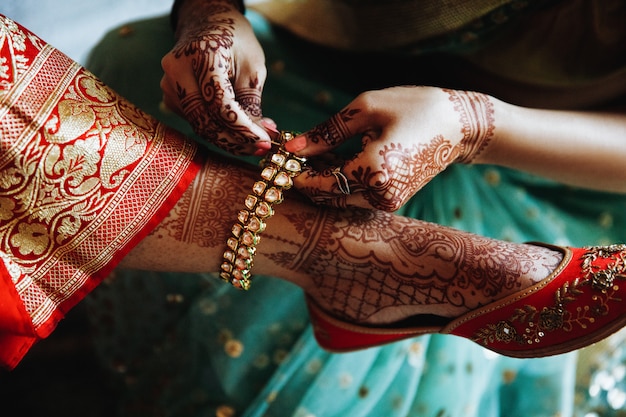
point(279, 168)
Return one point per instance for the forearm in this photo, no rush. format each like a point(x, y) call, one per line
point(183, 10)
point(586, 149)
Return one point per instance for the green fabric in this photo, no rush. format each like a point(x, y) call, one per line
point(189, 345)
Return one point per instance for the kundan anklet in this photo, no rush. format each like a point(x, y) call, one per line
point(279, 168)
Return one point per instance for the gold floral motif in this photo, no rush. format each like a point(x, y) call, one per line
point(504, 332)
point(12, 38)
point(537, 323)
point(88, 147)
point(603, 279)
point(30, 239)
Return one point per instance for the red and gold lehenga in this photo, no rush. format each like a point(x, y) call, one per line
point(84, 175)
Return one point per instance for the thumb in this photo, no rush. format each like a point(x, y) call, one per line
point(329, 134)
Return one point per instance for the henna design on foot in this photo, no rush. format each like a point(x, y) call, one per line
point(375, 261)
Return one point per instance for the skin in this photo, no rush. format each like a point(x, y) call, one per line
point(214, 76)
point(366, 266)
point(411, 134)
point(401, 153)
point(362, 265)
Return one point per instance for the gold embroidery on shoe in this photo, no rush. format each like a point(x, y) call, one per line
point(557, 317)
point(603, 279)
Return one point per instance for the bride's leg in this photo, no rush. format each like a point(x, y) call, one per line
point(376, 267)
point(362, 269)
point(364, 266)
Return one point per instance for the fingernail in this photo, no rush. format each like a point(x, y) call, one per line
point(269, 124)
point(260, 152)
point(264, 145)
point(296, 144)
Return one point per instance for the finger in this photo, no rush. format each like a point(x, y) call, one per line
point(250, 101)
point(329, 134)
point(329, 187)
point(219, 93)
point(169, 102)
point(204, 117)
point(338, 185)
point(365, 181)
point(269, 125)
point(182, 81)
point(182, 95)
point(248, 86)
point(207, 103)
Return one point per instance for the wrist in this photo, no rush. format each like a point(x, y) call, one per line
point(492, 146)
point(477, 119)
point(502, 149)
point(178, 6)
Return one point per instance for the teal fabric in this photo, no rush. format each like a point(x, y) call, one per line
point(188, 345)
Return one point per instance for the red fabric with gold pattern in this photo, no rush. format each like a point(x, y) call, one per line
point(84, 176)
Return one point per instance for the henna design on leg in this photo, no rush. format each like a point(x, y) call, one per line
point(205, 211)
point(317, 230)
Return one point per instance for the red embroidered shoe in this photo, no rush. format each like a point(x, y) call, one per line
point(580, 303)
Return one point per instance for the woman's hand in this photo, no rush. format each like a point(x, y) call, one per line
point(214, 76)
point(409, 135)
